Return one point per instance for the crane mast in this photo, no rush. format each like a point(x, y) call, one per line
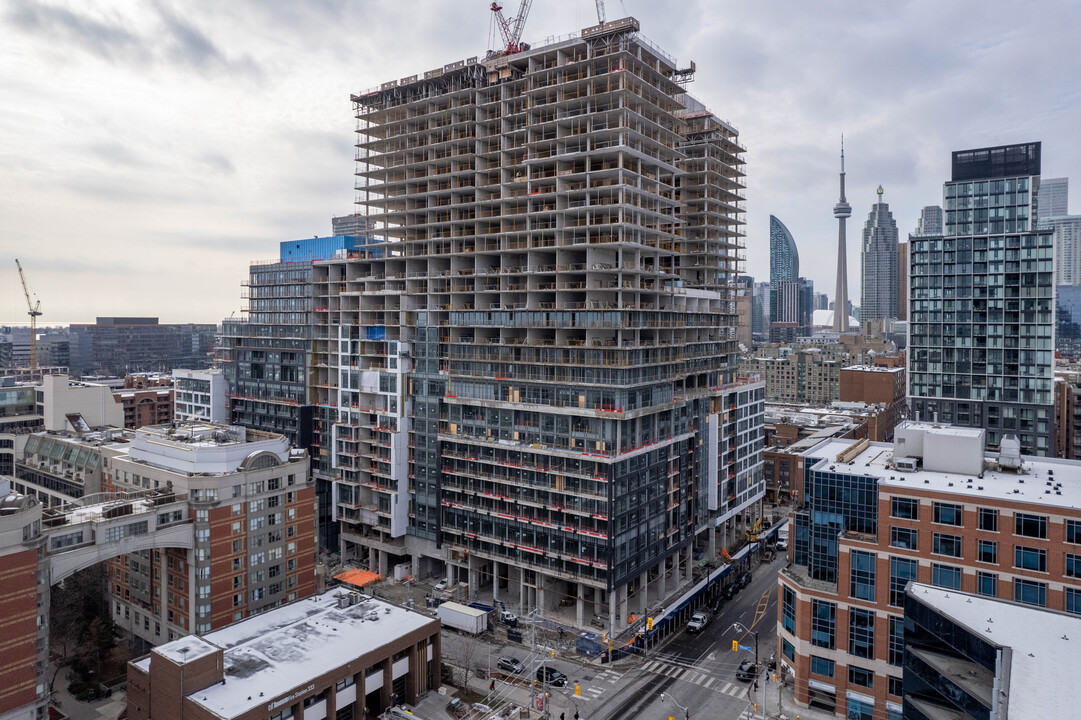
point(511, 30)
point(33, 309)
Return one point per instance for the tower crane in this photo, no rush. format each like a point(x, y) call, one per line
point(33, 309)
point(600, 11)
point(511, 30)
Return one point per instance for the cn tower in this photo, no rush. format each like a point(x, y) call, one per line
point(842, 211)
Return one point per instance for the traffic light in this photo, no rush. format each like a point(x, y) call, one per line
point(649, 623)
point(735, 646)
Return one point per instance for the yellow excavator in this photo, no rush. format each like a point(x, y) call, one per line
point(752, 534)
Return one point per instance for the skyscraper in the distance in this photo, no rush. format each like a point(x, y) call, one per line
point(879, 274)
point(1052, 198)
point(981, 321)
point(930, 223)
point(842, 211)
point(784, 282)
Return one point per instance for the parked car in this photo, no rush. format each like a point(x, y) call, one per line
point(510, 664)
point(698, 621)
point(744, 580)
point(782, 544)
point(717, 603)
point(442, 585)
point(551, 676)
point(731, 590)
point(771, 664)
point(747, 671)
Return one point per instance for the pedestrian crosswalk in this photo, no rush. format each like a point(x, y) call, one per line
point(696, 677)
point(602, 682)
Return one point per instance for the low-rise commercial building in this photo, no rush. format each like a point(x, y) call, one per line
point(930, 508)
point(146, 400)
point(968, 656)
point(336, 656)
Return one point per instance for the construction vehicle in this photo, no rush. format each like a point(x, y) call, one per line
point(33, 309)
point(752, 534)
point(726, 556)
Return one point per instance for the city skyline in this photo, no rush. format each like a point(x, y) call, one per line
point(181, 149)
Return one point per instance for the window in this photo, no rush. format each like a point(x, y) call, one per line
point(861, 633)
point(1033, 526)
point(274, 484)
point(860, 676)
point(1073, 531)
point(895, 686)
point(989, 519)
point(859, 710)
point(788, 610)
point(897, 640)
point(904, 538)
point(862, 584)
point(1073, 565)
point(946, 576)
point(1030, 591)
point(1028, 558)
point(821, 666)
point(905, 508)
point(987, 584)
point(343, 684)
point(901, 571)
point(1073, 600)
point(947, 545)
point(987, 552)
point(789, 650)
point(947, 514)
point(823, 624)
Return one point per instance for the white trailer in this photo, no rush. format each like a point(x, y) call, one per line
point(463, 618)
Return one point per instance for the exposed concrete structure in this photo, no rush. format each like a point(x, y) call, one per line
point(529, 369)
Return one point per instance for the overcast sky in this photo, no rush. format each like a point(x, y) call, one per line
point(150, 150)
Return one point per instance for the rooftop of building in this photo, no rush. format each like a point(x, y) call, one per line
point(1041, 481)
point(272, 653)
point(1040, 683)
point(875, 369)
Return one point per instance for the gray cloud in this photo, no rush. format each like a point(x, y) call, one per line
point(106, 40)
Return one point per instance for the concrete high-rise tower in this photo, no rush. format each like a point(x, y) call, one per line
point(842, 211)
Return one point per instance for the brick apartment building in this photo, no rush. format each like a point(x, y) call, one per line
point(254, 511)
point(928, 508)
point(335, 656)
point(24, 609)
point(146, 399)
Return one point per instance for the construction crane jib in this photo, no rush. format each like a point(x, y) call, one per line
point(33, 309)
point(511, 30)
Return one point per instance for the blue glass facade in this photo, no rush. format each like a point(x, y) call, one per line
point(317, 248)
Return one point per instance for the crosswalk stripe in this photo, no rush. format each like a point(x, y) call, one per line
point(709, 681)
point(651, 665)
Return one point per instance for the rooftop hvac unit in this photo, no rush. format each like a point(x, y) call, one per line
point(905, 464)
point(1009, 453)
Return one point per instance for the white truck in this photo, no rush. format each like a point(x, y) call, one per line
point(463, 618)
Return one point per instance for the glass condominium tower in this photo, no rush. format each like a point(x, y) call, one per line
point(982, 303)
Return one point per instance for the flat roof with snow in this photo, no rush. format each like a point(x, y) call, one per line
point(1044, 481)
point(272, 653)
point(1041, 684)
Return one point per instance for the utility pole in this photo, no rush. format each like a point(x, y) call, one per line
point(533, 663)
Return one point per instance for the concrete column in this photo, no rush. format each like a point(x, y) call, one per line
point(581, 605)
point(383, 560)
point(689, 564)
point(472, 573)
point(415, 570)
point(643, 594)
point(612, 599)
point(712, 543)
point(663, 567)
point(373, 560)
point(495, 580)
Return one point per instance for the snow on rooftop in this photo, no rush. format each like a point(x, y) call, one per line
point(269, 654)
point(1041, 684)
point(186, 649)
point(1044, 481)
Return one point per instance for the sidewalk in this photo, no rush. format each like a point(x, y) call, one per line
point(105, 709)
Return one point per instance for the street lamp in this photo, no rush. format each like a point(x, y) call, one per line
point(686, 710)
point(738, 626)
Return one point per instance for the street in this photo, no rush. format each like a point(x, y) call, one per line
point(698, 671)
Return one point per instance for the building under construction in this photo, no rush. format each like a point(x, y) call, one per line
point(527, 375)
